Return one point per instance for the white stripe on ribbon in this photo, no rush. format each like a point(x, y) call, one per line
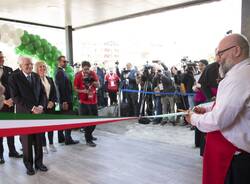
point(4, 124)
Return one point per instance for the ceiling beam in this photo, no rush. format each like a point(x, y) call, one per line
point(31, 23)
point(149, 12)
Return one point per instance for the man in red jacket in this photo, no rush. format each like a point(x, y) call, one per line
point(85, 84)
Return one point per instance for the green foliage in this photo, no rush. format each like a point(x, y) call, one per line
point(41, 49)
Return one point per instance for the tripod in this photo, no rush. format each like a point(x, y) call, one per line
point(144, 97)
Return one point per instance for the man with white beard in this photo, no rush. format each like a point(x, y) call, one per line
point(227, 123)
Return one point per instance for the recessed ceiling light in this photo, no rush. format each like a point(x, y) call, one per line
point(52, 6)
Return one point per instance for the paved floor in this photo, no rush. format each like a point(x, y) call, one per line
point(127, 153)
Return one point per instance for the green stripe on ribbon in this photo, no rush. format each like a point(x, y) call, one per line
point(12, 116)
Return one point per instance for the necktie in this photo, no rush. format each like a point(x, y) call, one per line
point(29, 79)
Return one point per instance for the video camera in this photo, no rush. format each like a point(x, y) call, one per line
point(147, 71)
point(187, 63)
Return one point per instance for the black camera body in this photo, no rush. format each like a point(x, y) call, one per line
point(88, 80)
point(189, 65)
point(147, 71)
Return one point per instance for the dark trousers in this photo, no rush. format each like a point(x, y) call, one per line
point(158, 108)
point(113, 97)
point(199, 137)
point(64, 138)
point(133, 103)
point(10, 142)
point(239, 171)
point(101, 98)
point(50, 137)
point(148, 99)
point(67, 137)
point(28, 141)
point(88, 109)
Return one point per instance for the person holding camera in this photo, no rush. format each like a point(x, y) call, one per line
point(85, 84)
point(128, 78)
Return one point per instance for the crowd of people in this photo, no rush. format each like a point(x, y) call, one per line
point(35, 92)
point(29, 89)
point(153, 90)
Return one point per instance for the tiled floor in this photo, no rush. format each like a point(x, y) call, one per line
point(127, 153)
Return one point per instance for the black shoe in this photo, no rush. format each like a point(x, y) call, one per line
point(91, 144)
point(183, 124)
point(192, 128)
point(156, 123)
point(61, 141)
point(164, 122)
point(30, 172)
point(2, 161)
point(42, 168)
point(93, 138)
point(71, 142)
point(173, 123)
point(15, 155)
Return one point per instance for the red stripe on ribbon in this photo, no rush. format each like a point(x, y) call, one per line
point(6, 132)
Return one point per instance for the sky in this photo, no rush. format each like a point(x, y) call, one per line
point(168, 36)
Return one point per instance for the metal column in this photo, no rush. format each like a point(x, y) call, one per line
point(245, 18)
point(69, 44)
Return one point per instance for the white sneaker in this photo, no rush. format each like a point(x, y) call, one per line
point(52, 148)
point(45, 150)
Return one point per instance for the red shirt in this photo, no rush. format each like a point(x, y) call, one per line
point(113, 82)
point(86, 98)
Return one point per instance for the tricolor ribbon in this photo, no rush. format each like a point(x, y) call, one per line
point(23, 124)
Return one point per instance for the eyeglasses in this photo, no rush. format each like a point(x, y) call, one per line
point(220, 53)
point(64, 61)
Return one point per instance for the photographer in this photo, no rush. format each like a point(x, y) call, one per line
point(102, 99)
point(157, 86)
point(145, 80)
point(129, 82)
point(85, 84)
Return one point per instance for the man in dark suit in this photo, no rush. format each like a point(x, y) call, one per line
point(8, 106)
point(2, 89)
point(65, 95)
point(28, 94)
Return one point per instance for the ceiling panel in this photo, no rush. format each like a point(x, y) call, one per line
point(78, 12)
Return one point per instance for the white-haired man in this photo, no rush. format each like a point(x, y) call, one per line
point(28, 94)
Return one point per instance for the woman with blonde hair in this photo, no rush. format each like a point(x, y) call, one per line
point(49, 86)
